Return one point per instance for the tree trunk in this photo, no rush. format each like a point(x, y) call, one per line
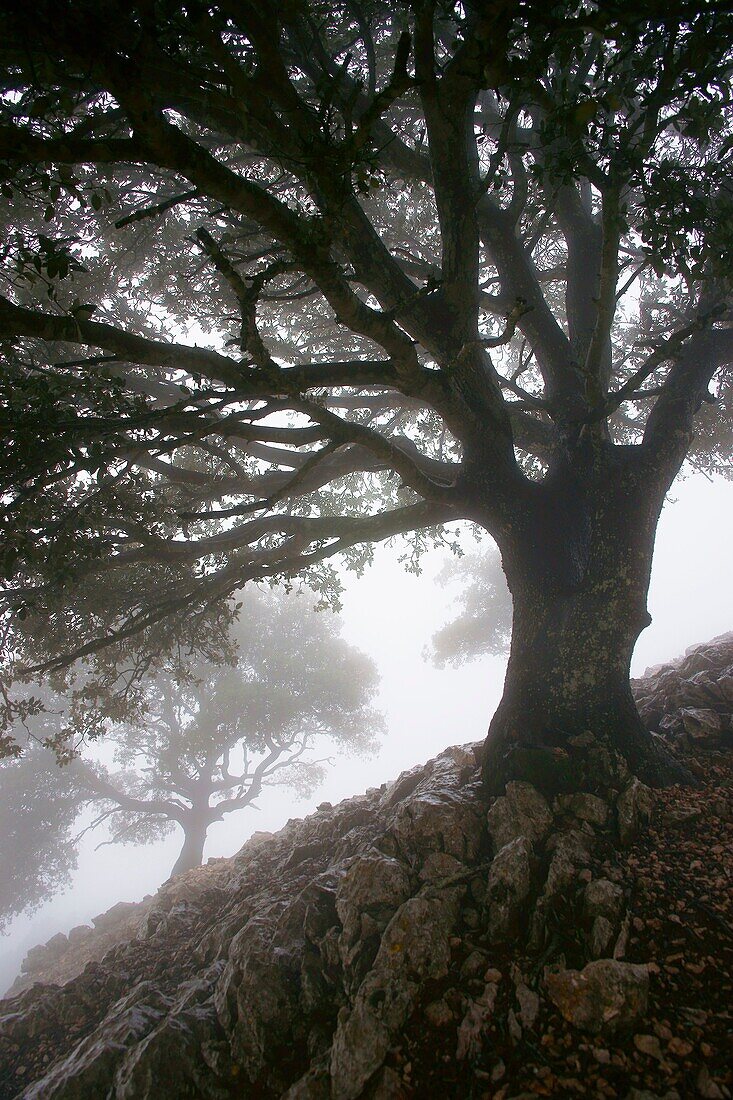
point(194, 838)
point(578, 567)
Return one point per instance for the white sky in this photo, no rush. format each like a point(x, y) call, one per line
point(392, 614)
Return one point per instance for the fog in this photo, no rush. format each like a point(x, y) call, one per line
point(392, 614)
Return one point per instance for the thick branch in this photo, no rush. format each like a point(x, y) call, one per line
point(103, 788)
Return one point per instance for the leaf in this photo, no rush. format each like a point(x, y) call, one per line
point(584, 112)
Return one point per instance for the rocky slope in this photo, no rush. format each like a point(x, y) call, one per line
point(65, 956)
point(414, 941)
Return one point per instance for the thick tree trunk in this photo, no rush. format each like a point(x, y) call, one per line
point(578, 568)
point(192, 852)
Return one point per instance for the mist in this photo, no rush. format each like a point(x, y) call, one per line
point(391, 614)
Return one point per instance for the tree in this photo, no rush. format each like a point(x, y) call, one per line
point(484, 620)
point(198, 750)
point(283, 280)
point(39, 804)
point(209, 748)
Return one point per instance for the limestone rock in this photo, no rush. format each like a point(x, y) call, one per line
point(606, 996)
point(603, 898)
point(690, 700)
point(529, 1004)
point(522, 811)
point(375, 884)
point(314, 1085)
point(585, 807)
point(600, 937)
point(702, 724)
point(415, 947)
point(114, 916)
point(634, 808)
point(79, 933)
point(438, 1013)
point(387, 1086)
point(57, 944)
point(475, 1023)
point(507, 888)
point(35, 959)
point(570, 851)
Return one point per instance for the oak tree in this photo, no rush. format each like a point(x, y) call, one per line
point(215, 744)
point(283, 280)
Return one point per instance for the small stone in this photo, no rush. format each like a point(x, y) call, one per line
point(679, 1047)
point(474, 965)
point(493, 975)
point(513, 1026)
point(603, 898)
point(707, 1087)
point(602, 1055)
point(600, 937)
point(439, 1014)
point(648, 1044)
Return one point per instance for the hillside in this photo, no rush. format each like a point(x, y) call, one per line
point(416, 941)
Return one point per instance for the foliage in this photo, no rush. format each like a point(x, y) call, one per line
point(280, 281)
point(483, 624)
point(38, 807)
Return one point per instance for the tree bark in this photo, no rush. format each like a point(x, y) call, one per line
point(578, 566)
point(194, 838)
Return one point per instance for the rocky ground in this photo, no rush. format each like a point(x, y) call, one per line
point(413, 942)
point(64, 956)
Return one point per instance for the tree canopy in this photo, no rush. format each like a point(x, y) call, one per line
point(39, 804)
point(283, 280)
point(483, 620)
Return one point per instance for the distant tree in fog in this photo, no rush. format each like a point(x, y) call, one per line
point(39, 804)
point(201, 749)
point(209, 747)
point(483, 622)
